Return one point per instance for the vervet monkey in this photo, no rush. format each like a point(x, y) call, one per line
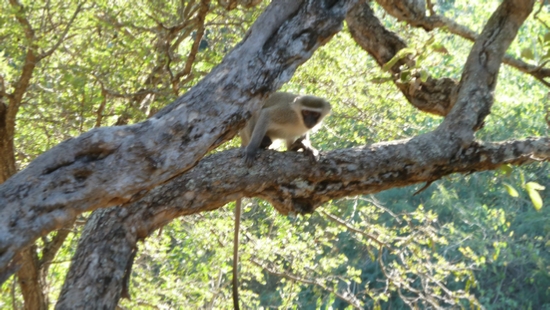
point(284, 116)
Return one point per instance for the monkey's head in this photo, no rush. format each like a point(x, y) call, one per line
point(312, 109)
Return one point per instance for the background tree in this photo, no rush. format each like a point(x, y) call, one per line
point(446, 246)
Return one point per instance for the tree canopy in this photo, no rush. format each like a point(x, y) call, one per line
point(429, 191)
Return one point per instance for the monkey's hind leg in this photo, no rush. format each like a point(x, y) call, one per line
point(304, 144)
point(266, 142)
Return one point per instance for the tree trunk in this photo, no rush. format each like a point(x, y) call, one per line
point(32, 281)
point(7, 154)
point(110, 247)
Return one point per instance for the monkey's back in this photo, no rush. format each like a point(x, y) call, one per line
point(277, 98)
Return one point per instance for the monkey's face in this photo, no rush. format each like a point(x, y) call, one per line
point(310, 118)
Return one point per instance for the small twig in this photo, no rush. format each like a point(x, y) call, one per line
point(423, 187)
point(351, 228)
point(536, 15)
point(204, 7)
point(51, 248)
point(63, 35)
point(101, 108)
point(13, 288)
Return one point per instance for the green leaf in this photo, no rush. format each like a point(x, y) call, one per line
point(496, 254)
point(423, 76)
point(527, 53)
point(405, 76)
point(536, 199)
point(534, 185)
point(506, 169)
point(511, 191)
point(430, 41)
point(400, 55)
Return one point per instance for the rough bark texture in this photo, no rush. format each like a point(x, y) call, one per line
point(99, 286)
point(122, 165)
point(112, 165)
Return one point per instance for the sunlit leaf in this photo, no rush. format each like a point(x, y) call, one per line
point(511, 191)
point(527, 53)
point(506, 169)
point(532, 189)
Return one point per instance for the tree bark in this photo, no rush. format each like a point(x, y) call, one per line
point(112, 165)
point(7, 158)
point(479, 77)
point(111, 246)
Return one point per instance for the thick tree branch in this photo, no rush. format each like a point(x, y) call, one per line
point(433, 96)
point(479, 77)
point(30, 279)
point(111, 165)
point(31, 59)
point(105, 286)
point(412, 13)
point(22, 19)
point(287, 180)
point(297, 186)
point(3, 89)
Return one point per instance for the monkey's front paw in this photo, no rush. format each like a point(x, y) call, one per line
point(313, 154)
point(297, 145)
point(249, 158)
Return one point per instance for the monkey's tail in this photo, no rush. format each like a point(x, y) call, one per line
point(236, 254)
